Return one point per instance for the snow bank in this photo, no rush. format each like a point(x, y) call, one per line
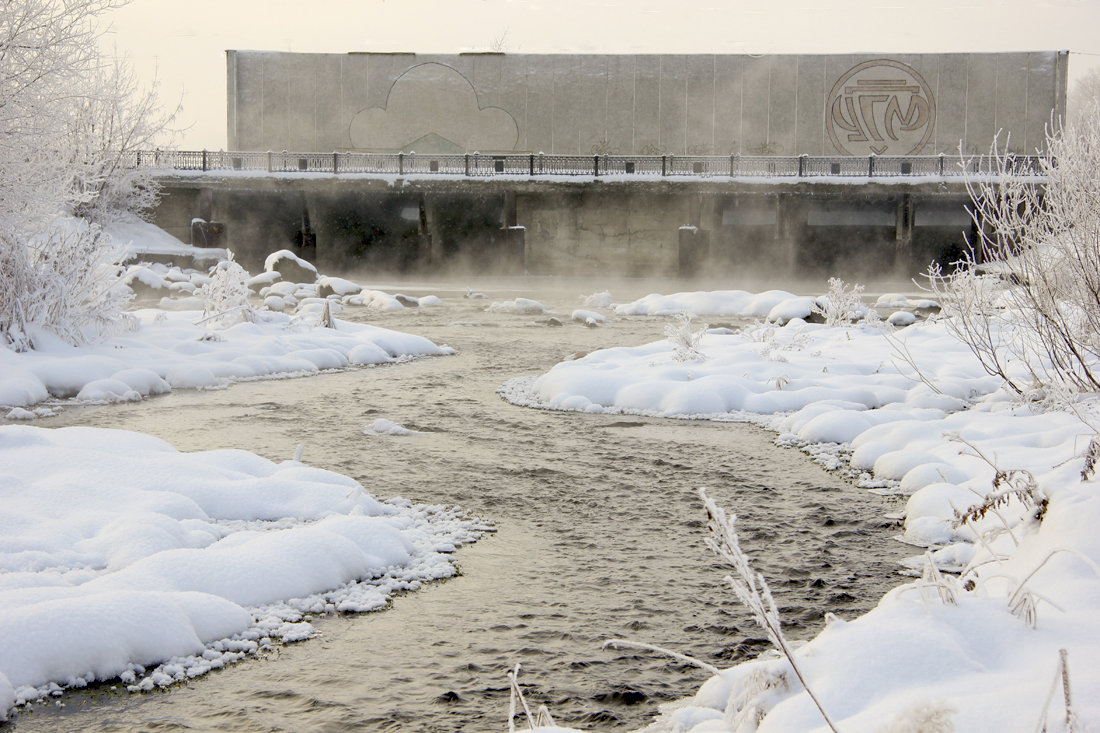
point(119, 553)
point(936, 437)
point(709, 303)
point(168, 351)
point(522, 306)
point(137, 238)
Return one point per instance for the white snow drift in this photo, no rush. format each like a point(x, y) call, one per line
point(908, 412)
point(118, 554)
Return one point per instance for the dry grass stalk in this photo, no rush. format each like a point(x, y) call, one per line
point(1062, 673)
point(626, 644)
point(751, 588)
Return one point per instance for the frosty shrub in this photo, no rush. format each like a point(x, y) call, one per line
point(65, 280)
point(225, 295)
point(71, 120)
point(685, 342)
point(1025, 297)
point(841, 305)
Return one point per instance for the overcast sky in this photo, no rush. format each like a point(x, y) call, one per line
point(183, 43)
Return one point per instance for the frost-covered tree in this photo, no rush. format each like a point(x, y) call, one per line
point(69, 118)
point(1026, 297)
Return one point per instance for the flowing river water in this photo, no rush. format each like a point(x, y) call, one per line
point(600, 535)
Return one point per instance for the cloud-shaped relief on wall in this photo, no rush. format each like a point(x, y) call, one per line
point(434, 106)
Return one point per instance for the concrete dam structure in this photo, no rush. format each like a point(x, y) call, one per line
point(673, 164)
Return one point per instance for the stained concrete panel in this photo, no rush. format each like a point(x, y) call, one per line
point(673, 104)
point(1040, 99)
point(539, 111)
point(566, 101)
point(355, 73)
point(620, 105)
point(277, 103)
point(783, 104)
point(700, 96)
point(698, 103)
point(981, 103)
point(513, 97)
point(588, 108)
point(1010, 93)
point(809, 131)
point(328, 119)
point(727, 105)
point(248, 106)
point(647, 105)
point(926, 67)
point(951, 90)
point(756, 86)
point(487, 78)
point(303, 78)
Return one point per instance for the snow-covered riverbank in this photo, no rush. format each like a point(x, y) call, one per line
point(909, 412)
point(105, 546)
point(122, 557)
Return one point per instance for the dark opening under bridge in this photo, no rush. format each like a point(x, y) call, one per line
point(576, 214)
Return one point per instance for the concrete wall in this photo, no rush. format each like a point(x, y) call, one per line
point(647, 227)
point(704, 104)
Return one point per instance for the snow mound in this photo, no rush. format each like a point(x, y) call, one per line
point(521, 306)
point(120, 553)
point(381, 426)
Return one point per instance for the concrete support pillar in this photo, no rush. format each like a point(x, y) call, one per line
point(424, 240)
point(509, 216)
point(903, 236)
point(787, 215)
point(693, 243)
point(429, 250)
point(319, 213)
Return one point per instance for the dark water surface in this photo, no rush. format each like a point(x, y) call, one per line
point(600, 535)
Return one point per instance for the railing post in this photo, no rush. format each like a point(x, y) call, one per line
point(467, 164)
point(335, 162)
point(477, 166)
point(596, 164)
point(870, 165)
point(268, 161)
point(941, 164)
point(733, 164)
point(664, 165)
point(542, 163)
point(531, 164)
point(802, 165)
point(204, 159)
point(400, 164)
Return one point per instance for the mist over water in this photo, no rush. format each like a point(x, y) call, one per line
point(600, 534)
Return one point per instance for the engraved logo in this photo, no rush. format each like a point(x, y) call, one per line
point(880, 107)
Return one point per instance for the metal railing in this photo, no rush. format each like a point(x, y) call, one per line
point(541, 165)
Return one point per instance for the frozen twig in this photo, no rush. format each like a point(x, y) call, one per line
point(626, 644)
point(1061, 674)
point(751, 588)
point(513, 680)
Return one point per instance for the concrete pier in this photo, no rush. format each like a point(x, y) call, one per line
point(629, 227)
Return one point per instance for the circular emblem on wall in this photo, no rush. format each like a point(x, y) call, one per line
point(883, 107)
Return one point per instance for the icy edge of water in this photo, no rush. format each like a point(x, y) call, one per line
point(437, 532)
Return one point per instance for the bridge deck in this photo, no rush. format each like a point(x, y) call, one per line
point(477, 165)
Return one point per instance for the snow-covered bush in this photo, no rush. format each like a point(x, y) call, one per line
point(225, 295)
point(841, 305)
point(685, 342)
point(1026, 297)
point(70, 120)
point(65, 279)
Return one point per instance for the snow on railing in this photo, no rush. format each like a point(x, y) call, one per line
point(539, 164)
